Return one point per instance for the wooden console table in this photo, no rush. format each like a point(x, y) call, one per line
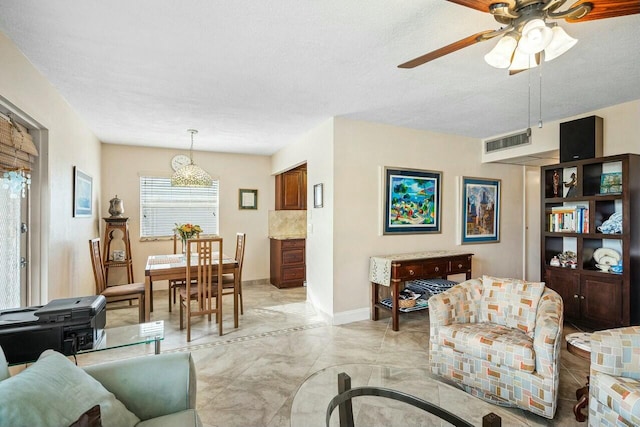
point(391, 270)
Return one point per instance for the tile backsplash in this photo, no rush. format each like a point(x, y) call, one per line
point(288, 224)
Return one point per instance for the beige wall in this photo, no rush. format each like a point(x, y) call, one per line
point(362, 150)
point(62, 251)
point(122, 165)
point(316, 148)
point(620, 134)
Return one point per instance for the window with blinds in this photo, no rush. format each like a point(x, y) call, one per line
point(163, 206)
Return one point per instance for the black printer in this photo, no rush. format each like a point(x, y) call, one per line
point(66, 325)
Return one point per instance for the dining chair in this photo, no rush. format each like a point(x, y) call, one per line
point(114, 293)
point(228, 280)
point(175, 284)
point(196, 299)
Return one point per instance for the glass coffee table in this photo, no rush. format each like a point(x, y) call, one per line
point(310, 403)
point(124, 336)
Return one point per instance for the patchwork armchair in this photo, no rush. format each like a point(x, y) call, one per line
point(499, 340)
point(614, 383)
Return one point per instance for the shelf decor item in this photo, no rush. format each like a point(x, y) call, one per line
point(613, 225)
point(411, 201)
point(116, 207)
point(480, 210)
point(611, 183)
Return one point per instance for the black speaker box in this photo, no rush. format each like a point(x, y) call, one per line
point(581, 139)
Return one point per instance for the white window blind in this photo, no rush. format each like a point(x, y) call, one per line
point(162, 206)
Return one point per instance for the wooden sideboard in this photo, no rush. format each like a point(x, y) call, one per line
point(391, 270)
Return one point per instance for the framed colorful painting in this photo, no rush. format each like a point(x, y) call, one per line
point(480, 210)
point(411, 201)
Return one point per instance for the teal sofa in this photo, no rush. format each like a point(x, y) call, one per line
point(151, 391)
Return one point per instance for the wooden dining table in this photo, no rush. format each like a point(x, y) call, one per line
point(174, 266)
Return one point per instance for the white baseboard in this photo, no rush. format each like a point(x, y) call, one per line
point(350, 316)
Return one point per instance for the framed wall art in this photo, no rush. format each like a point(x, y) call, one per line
point(247, 199)
point(318, 196)
point(411, 201)
point(82, 194)
point(480, 210)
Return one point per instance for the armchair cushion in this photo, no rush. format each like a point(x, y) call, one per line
point(510, 302)
point(614, 383)
point(620, 394)
point(55, 392)
point(617, 352)
point(497, 344)
point(151, 386)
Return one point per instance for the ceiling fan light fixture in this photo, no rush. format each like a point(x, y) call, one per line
point(536, 36)
point(560, 43)
point(191, 175)
point(500, 55)
point(522, 61)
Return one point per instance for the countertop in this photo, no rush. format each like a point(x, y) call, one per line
point(287, 237)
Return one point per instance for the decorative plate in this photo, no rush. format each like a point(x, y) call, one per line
point(606, 256)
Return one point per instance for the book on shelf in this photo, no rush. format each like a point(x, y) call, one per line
point(569, 219)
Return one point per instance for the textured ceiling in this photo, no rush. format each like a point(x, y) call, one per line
point(253, 76)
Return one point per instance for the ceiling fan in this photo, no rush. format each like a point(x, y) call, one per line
point(527, 37)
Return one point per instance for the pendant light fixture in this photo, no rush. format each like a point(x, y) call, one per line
point(191, 175)
point(535, 37)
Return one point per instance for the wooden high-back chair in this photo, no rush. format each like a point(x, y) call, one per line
point(228, 280)
point(175, 284)
point(126, 292)
point(204, 261)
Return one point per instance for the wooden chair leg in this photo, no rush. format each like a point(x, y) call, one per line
point(141, 308)
point(240, 295)
point(189, 322)
point(170, 296)
point(181, 315)
point(219, 314)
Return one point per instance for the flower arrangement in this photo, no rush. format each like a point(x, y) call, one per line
point(187, 231)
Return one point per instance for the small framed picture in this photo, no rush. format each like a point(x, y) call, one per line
point(247, 199)
point(318, 196)
point(611, 183)
point(82, 194)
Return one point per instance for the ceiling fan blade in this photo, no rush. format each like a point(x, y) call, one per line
point(607, 9)
point(467, 41)
point(481, 5)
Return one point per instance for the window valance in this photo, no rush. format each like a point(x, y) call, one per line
point(17, 149)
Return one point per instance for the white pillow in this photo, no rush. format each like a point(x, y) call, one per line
point(55, 392)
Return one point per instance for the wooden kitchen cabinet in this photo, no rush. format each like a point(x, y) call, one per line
point(291, 189)
point(288, 267)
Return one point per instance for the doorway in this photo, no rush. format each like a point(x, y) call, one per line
point(20, 177)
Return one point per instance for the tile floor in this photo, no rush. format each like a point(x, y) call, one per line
point(250, 375)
